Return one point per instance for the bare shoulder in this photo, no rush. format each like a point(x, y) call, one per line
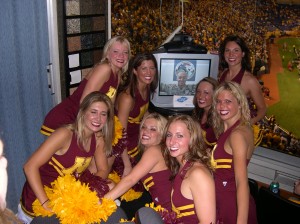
point(59, 141)
point(100, 71)
point(152, 158)
point(249, 77)
point(124, 98)
point(62, 132)
point(241, 137)
point(199, 172)
point(153, 151)
point(125, 95)
point(61, 136)
point(241, 132)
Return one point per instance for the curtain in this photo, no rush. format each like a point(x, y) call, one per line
point(24, 95)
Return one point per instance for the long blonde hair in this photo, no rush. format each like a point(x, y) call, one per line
point(237, 92)
point(108, 128)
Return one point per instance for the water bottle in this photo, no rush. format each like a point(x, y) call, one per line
point(274, 187)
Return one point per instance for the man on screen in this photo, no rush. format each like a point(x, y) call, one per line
point(181, 88)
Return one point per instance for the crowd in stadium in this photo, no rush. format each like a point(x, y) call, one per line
point(148, 23)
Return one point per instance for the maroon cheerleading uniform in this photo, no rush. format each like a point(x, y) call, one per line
point(183, 207)
point(66, 111)
point(133, 127)
point(159, 187)
point(134, 120)
point(208, 135)
point(74, 161)
point(238, 79)
point(226, 194)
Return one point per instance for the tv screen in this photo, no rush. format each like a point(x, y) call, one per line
point(178, 75)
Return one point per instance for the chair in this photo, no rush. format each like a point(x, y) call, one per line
point(272, 208)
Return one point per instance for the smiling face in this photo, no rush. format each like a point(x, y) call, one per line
point(149, 133)
point(118, 55)
point(178, 139)
point(204, 95)
point(145, 73)
point(227, 106)
point(233, 54)
point(96, 116)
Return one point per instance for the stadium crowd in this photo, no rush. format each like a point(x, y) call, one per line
point(147, 24)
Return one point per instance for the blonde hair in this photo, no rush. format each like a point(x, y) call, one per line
point(108, 128)
point(161, 123)
point(108, 46)
point(237, 92)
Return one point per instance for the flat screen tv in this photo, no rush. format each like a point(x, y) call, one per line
point(178, 75)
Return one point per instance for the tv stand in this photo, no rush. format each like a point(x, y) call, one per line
point(169, 111)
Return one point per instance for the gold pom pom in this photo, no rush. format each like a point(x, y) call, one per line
point(118, 130)
point(74, 202)
point(131, 194)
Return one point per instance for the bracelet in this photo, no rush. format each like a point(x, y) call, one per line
point(45, 202)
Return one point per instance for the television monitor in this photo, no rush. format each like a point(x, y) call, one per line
point(178, 75)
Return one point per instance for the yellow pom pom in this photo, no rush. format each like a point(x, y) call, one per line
point(258, 134)
point(39, 210)
point(114, 177)
point(74, 202)
point(118, 131)
point(131, 194)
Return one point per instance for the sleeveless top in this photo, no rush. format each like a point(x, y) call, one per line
point(133, 126)
point(208, 136)
point(226, 192)
point(159, 187)
point(223, 163)
point(66, 111)
point(238, 79)
point(183, 207)
point(134, 120)
point(74, 161)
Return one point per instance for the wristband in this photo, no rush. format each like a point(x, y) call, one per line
point(45, 202)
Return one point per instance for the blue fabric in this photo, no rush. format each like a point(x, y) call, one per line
point(24, 94)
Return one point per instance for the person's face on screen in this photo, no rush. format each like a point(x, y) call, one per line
point(181, 78)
